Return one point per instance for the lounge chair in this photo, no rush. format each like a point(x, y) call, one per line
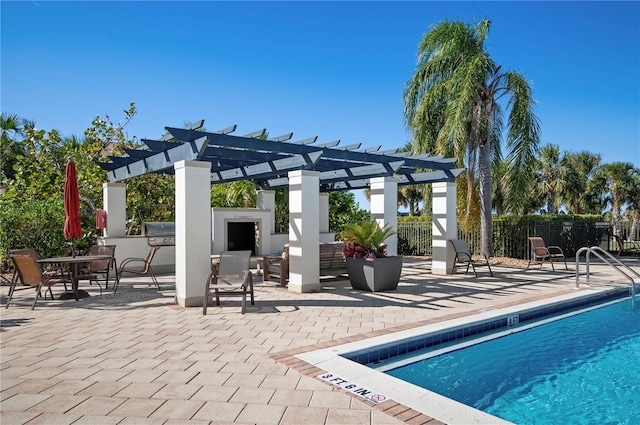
point(540, 252)
point(464, 257)
point(230, 276)
point(145, 268)
point(32, 276)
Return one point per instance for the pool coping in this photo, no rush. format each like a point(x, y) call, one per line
point(407, 402)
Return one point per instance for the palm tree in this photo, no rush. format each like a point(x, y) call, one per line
point(576, 173)
point(452, 107)
point(498, 175)
point(633, 212)
point(11, 127)
point(549, 183)
point(617, 179)
point(412, 195)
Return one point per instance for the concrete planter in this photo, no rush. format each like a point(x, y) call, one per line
point(378, 274)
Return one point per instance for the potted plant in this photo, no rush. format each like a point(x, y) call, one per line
point(368, 266)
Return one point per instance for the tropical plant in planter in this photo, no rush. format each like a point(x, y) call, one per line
point(368, 266)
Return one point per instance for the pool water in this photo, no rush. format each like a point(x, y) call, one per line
point(582, 369)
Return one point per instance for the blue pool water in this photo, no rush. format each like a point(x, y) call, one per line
point(583, 370)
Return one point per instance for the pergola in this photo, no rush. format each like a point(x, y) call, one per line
point(268, 160)
point(199, 158)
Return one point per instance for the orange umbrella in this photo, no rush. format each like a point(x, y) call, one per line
point(72, 225)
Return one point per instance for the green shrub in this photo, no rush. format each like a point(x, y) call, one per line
point(37, 224)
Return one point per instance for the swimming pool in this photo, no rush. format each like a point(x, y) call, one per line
point(348, 361)
point(582, 369)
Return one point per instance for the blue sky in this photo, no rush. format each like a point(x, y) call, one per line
point(335, 70)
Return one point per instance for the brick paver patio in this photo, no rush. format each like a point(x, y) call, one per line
point(137, 358)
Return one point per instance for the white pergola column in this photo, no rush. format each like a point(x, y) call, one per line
point(304, 251)
point(114, 196)
point(384, 208)
point(324, 212)
point(193, 230)
point(445, 227)
point(266, 200)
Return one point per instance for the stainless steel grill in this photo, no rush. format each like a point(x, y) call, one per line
point(160, 233)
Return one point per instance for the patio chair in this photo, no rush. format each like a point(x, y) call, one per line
point(33, 253)
point(540, 252)
point(230, 276)
point(32, 276)
point(22, 251)
point(143, 270)
point(277, 266)
point(630, 247)
point(97, 268)
point(463, 256)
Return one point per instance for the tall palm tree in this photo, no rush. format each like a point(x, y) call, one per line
point(453, 106)
point(498, 175)
point(617, 179)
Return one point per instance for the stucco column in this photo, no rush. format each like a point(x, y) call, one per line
point(445, 227)
point(384, 208)
point(324, 212)
point(266, 200)
point(114, 196)
point(304, 251)
point(193, 230)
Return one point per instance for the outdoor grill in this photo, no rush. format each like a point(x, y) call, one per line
point(160, 233)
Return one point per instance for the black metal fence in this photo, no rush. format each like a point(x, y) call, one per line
point(512, 240)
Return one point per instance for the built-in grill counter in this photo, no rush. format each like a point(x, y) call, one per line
point(160, 233)
point(153, 234)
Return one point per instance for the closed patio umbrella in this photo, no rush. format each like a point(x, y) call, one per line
point(72, 225)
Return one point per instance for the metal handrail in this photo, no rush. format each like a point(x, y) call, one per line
point(595, 250)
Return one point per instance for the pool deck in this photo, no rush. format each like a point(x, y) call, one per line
point(137, 358)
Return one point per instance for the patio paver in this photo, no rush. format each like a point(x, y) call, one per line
point(134, 357)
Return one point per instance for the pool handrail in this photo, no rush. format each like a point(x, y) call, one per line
point(595, 250)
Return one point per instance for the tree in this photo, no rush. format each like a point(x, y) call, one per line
point(633, 212)
point(150, 197)
point(39, 166)
point(452, 106)
point(11, 129)
point(498, 176)
point(617, 179)
point(343, 210)
point(237, 194)
point(412, 195)
point(548, 179)
point(39, 162)
point(576, 173)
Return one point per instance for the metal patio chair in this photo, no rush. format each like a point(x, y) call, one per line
point(56, 271)
point(32, 276)
point(98, 268)
point(144, 269)
point(464, 257)
point(230, 276)
point(540, 253)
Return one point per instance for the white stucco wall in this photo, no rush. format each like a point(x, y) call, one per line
point(221, 216)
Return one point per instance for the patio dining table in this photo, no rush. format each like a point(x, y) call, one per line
point(75, 263)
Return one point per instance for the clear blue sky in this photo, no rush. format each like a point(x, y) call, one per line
point(330, 69)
